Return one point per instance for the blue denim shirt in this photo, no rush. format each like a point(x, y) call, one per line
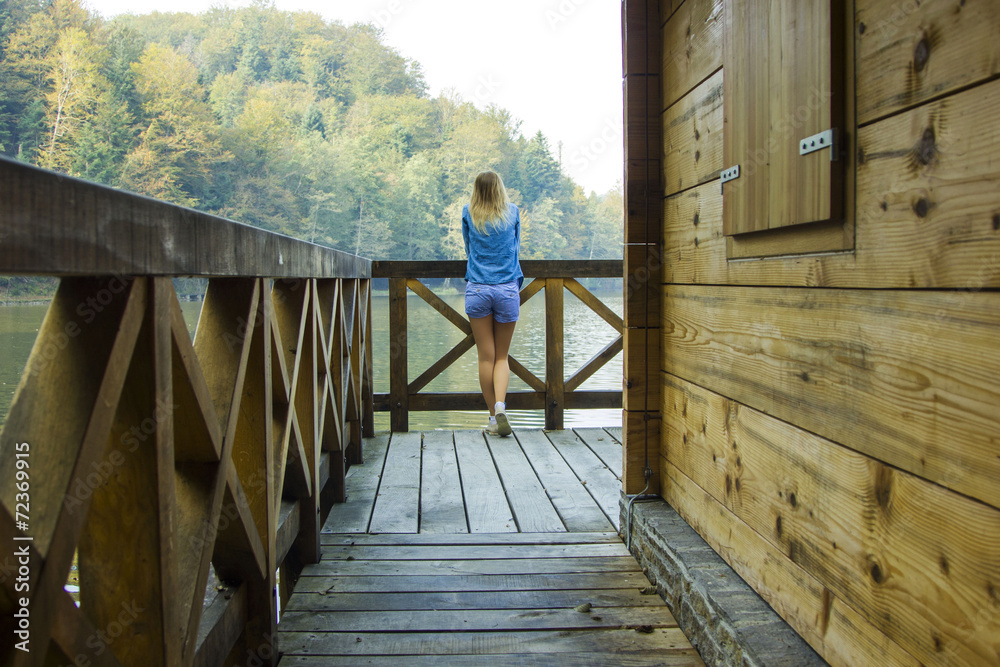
point(493, 257)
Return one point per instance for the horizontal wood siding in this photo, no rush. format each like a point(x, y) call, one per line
point(828, 421)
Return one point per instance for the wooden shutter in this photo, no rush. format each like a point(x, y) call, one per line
point(783, 82)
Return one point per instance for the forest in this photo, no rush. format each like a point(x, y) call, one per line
point(281, 120)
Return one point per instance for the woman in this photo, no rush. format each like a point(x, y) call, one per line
point(491, 227)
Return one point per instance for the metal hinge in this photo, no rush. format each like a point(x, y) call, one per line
point(818, 142)
point(727, 175)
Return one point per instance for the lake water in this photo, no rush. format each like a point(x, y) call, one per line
point(430, 336)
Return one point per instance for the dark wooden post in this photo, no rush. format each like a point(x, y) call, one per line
point(554, 382)
point(399, 411)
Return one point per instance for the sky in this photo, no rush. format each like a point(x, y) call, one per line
point(554, 64)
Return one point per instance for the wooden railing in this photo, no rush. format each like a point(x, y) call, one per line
point(554, 394)
point(154, 458)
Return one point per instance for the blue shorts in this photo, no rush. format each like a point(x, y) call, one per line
point(502, 301)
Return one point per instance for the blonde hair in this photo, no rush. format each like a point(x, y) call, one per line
point(489, 203)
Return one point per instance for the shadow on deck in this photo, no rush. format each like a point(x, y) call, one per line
point(458, 549)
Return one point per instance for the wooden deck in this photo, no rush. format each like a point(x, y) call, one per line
point(458, 549)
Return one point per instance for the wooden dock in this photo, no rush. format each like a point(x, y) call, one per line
point(458, 549)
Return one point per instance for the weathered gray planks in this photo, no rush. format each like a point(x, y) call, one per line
point(600, 480)
point(672, 658)
point(531, 506)
point(471, 582)
point(467, 552)
point(399, 493)
point(606, 597)
point(490, 538)
point(478, 620)
point(385, 568)
point(605, 446)
point(570, 498)
point(483, 643)
point(485, 503)
point(362, 486)
point(442, 509)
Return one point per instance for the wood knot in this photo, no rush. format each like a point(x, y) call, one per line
point(926, 148)
point(861, 28)
point(777, 525)
point(944, 565)
point(696, 242)
point(876, 573)
point(883, 486)
point(921, 54)
point(697, 219)
point(697, 155)
point(793, 500)
point(861, 156)
point(884, 206)
point(920, 207)
point(996, 222)
point(729, 485)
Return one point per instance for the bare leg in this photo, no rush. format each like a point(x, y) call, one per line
point(482, 331)
point(503, 333)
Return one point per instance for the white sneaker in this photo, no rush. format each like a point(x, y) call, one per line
point(503, 424)
point(491, 429)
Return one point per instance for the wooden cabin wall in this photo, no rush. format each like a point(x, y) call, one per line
point(831, 422)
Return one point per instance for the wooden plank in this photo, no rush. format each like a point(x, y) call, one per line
point(614, 431)
point(575, 506)
point(478, 620)
point(909, 54)
point(532, 509)
point(387, 568)
point(288, 528)
point(824, 620)
point(601, 482)
point(641, 448)
point(353, 515)
point(594, 364)
point(398, 394)
point(692, 137)
point(866, 369)
point(438, 367)
point(222, 623)
point(928, 193)
point(486, 504)
point(531, 268)
point(442, 509)
point(473, 538)
point(641, 363)
point(692, 47)
point(471, 551)
point(640, 37)
point(565, 659)
point(595, 304)
point(120, 233)
point(480, 643)
point(604, 446)
point(830, 509)
point(471, 582)
point(396, 506)
point(554, 379)
point(438, 600)
point(438, 304)
point(643, 276)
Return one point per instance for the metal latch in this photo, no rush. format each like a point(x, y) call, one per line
point(727, 175)
point(818, 142)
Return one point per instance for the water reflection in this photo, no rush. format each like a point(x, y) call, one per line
point(430, 336)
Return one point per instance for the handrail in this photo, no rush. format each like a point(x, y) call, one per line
point(554, 394)
point(155, 458)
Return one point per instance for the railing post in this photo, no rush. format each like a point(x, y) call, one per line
point(399, 399)
point(367, 386)
point(554, 382)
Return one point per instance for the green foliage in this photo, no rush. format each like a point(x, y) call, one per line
point(280, 120)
